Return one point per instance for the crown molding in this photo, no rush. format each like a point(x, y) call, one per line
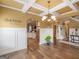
point(26, 6)
point(5, 6)
point(77, 20)
point(10, 7)
point(62, 5)
point(71, 5)
point(19, 1)
point(40, 7)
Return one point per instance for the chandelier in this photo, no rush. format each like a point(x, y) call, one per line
point(48, 17)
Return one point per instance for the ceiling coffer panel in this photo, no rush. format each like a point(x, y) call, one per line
point(77, 5)
point(53, 3)
point(35, 10)
point(11, 3)
point(64, 10)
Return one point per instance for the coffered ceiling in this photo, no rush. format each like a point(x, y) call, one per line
point(64, 10)
point(35, 10)
point(40, 7)
point(10, 3)
point(52, 3)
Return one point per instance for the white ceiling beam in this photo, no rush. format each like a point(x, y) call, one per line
point(35, 5)
point(75, 19)
point(28, 11)
point(33, 13)
point(55, 13)
point(62, 5)
point(40, 7)
point(67, 13)
point(10, 7)
point(74, 1)
point(19, 1)
point(70, 4)
point(17, 9)
point(27, 5)
point(44, 13)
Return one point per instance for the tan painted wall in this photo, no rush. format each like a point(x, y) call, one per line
point(9, 14)
point(11, 18)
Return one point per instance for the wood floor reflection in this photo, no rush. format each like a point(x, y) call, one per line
point(32, 44)
point(60, 51)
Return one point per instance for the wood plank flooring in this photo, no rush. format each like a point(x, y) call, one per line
point(60, 51)
point(32, 44)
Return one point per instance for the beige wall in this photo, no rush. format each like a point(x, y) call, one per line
point(7, 14)
point(11, 18)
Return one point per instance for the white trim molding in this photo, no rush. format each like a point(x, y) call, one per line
point(33, 13)
point(19, 1)
point(32, 3)
point(10, 7)
point(77, 20)
point(74, 1)
point(64, 4)
point(70, 43)
point(70, 4)
point(40, 7)
point(17, 9)
point(27, 5)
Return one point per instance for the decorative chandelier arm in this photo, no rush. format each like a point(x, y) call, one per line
point(49, 17)
point(43, 18)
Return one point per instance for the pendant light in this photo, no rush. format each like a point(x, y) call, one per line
point(48, 17)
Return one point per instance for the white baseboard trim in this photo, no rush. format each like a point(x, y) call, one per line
point(42, 43)
point(70, 43)
point(9, 50)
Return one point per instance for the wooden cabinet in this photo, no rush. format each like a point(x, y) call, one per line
point(32, 35)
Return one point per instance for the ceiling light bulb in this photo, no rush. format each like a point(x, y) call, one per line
point(53, 17)
point(49, 20)
point(43, 18)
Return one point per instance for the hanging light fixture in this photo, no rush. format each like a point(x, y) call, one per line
point(48, 17)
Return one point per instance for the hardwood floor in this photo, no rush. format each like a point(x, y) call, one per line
point(61, 51)
point(32, 44)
